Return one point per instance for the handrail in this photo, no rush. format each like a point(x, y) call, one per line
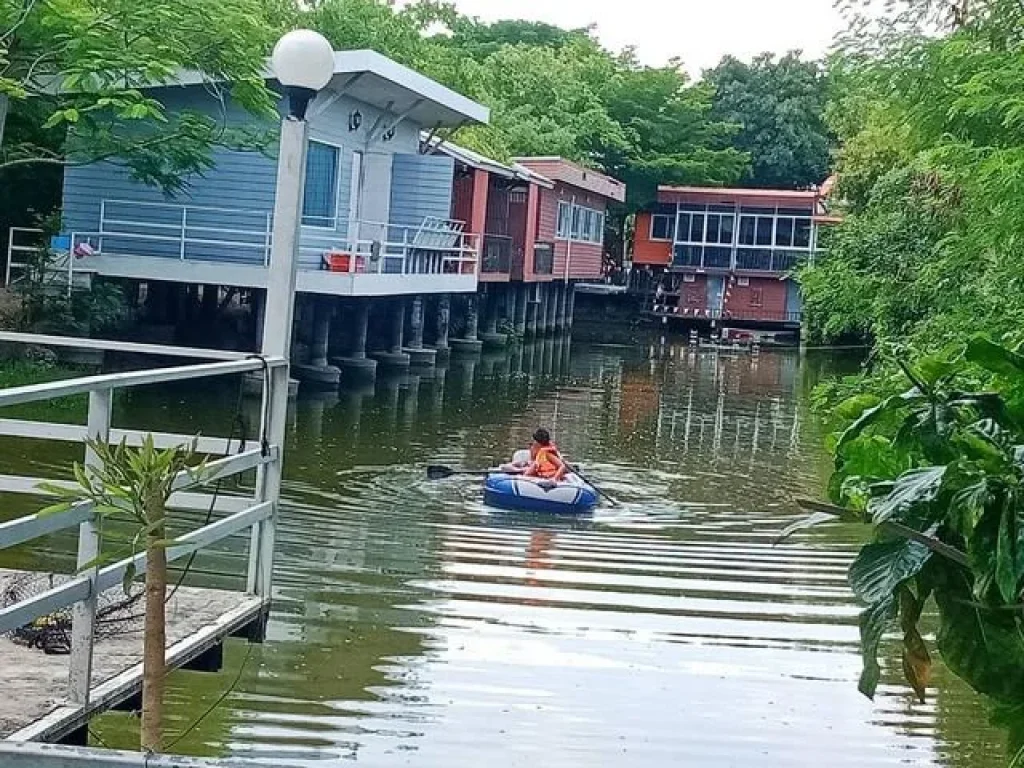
point(34, 392)
point(108, 345)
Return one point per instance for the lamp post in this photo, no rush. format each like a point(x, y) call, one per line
point(303, 62)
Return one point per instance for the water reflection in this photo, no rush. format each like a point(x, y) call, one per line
point(414, 625)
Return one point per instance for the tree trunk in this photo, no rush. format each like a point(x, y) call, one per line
point(153, 663)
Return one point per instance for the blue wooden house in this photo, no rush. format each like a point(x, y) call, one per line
point(377, 212)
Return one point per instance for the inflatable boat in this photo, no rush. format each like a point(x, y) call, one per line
point(571, 496)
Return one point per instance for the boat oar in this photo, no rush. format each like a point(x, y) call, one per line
point(611, 500)
point(439, 472)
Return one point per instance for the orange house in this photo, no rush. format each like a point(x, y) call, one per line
point(728, 254)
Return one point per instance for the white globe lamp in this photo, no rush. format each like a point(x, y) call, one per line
point(303, 62)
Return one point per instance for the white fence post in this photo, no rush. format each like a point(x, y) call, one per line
point(184, 233)
point(277, 337)
point(84, 613)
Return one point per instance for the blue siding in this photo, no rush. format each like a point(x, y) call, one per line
point(421, 185)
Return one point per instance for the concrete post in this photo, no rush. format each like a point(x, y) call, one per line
point(561, 307)
point(490, 310)
point(444, 314)
point(556, 298)
point(318, 371)
point(472, 317)
point(570, 313)
point(519, 315)
point(259, 312)
point(356, 366)
point(281, 277)
point(470, 342)
point(394, 356)
point(542, 310)
point(418, 354)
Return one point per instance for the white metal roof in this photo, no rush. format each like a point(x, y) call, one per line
point(379, 81)
point(476, 160)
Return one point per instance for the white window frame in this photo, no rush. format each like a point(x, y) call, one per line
point(338, 169)
point(670, 218)
point(563, 224)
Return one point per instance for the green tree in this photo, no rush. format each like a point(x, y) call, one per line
point(77, 70)
point(779, 106)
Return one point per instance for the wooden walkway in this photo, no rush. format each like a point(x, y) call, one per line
point(34, 685)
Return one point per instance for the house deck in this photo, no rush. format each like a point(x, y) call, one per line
point(34, 707)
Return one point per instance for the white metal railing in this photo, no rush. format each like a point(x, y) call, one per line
point(80, 592)
point(435, 246)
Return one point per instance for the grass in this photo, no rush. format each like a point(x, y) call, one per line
point(19, 373)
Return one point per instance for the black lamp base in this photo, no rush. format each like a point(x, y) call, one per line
point(298, 101)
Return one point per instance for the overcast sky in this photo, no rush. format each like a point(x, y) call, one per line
point(699, 32)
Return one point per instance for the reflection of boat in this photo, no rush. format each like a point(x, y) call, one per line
point(571, 496)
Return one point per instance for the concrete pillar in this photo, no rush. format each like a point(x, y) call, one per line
point(521, 299)
point(556, 292)
point(490, 336)
point(418, 354)
point(470, 342)
point(561, 307)
point(356, 366)
point(211, 300)
point(443, 321)
point(259, 313)
point(318, 372)
point(542, 309)
point(572, 305)
point(394, 357)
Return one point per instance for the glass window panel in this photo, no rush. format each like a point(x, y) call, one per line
point(805, 211)
point(692, 207)
point(577, 221)
point(683, 226)
point(697, 228)
point(764, 230)
point(661, 227)
point(564, 216)
point(759, 210)
point(725, 233)
point(802, 235)
point(784, 232)
point(748, 227)
point(320, 195)
point(722, 208)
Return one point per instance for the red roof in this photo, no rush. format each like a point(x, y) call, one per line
point(567, 172)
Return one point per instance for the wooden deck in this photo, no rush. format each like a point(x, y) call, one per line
point(33, 706)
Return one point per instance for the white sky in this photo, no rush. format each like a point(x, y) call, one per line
point(699, 32)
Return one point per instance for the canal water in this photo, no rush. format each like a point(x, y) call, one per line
point(415, 626)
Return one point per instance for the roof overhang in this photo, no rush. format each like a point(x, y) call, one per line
point(383, 83)
point(723, 196)
point(481, 162)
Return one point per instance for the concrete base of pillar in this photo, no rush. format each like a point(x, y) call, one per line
point(325, 376)
point(356, 369)
point(466, 346)
point(442, 353)
point(421, 356)
point(494, 340)
point(391, 360)
point(252, 385)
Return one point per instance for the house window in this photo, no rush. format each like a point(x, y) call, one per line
point(802, 233)
point(662, 227)
point(320, 195)
point(581, 224)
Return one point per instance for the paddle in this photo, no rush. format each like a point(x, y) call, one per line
point(611, 500)
point(438, 472)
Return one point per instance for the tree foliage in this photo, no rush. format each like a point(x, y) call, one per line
point(932, 153)
point(780, 107)
point(70, 64)
point(938, 470)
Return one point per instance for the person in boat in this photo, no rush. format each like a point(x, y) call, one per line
point(546, 461)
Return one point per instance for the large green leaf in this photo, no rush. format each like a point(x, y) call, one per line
point(875, 620)
point(994, 357)
point(871, 415)
point(1010, 550)
point(881, 567)
point(985, 647)
point(912, 495)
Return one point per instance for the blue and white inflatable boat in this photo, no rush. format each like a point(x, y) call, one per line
point(570, 496)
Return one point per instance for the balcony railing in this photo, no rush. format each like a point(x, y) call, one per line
point(497, 255)
point(543, 258)
point(747, 259)
point(244, 237)
point(669, 304)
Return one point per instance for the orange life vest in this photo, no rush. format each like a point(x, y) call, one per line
point(543, 466)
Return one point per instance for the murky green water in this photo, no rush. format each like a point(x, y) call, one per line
point(414, 626)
